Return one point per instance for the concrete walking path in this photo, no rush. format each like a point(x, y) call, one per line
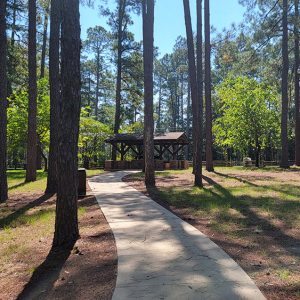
point(159, 255)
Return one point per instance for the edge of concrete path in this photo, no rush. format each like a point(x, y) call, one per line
point(217, 253)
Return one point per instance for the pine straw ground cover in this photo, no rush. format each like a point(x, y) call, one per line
point(253, 214)
point(30, 271)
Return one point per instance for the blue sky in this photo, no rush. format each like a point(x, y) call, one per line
point(169, 19)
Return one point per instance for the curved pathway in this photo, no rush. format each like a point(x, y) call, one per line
point(162, 257)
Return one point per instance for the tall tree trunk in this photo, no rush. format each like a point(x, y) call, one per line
point(32, 95)
point(199, 90)
point(11, 62)
point(159, 104)
point(181, 102)
point(54, 76)
point(208, 109)
point(89, 93)
point(194, 91)
point(284, 88)
point(97, 83)
point(3, 103)
point(66, 221)
point(297, 96)
point(121, 11)
point(13, 25)
point(188, 120)
point(44, 46)
point(148, 29)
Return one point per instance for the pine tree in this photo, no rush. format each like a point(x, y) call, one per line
point(208, 108)
point(3, 103)
point(66, 221)
point(148, 29)
point(54, 75)
point(32, 95)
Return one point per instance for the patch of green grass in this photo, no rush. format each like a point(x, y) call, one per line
point(81, 211)
point(12, 249)
point(16, 182)
point(275, 198)
point(91, 173)
point(283, 274)
point(30, 218)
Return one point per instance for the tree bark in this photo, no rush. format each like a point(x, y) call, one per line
point(208, 108)
point(188, 120)
point(11, 62)
point(198, 170)
point(121, 11)
point(3, 103)
point(148, 30)
point(97, 83)
point(297, 95)
point(42, 75)
point(32, 95)
point(194, 92)
point(54, 77)
point(159, 103)
point(44, 45)
point(66, 221)
point(284, 163)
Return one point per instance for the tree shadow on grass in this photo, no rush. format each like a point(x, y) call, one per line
point(44, 277)
point(285, 188)
point(220, 197)
point(289, 243)
point(6, 221)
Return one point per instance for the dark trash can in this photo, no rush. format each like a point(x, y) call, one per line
point(81, 182)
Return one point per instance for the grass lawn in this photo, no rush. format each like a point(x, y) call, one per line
point(253, 214)
point(16, 182)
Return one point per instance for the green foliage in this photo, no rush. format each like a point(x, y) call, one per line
point(92, 135)
point(249, 115)
point(18, 118)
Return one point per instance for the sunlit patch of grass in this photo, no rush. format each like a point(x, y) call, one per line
point(91, 173)
point(16, 182)
point(12, 249)
point(81, 211)
point(30, 218)
point(283, 274)
point(31, 270)
point(273, 199)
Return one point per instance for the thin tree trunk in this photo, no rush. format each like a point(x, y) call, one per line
point(44, 46)
point(200, 92)
point(32, 95)
point(3, 103)
point(297, 100)
point(159, 104)
point(11, 62)
point(97, 83)
point(54, 94)
point(194, 90)
point(208, 108)
point(121, 11)
point(66, 221)
point(181, 102)
point(148, 29)
point(284, 88)
point(13, 26)
point(89, 93)
point(188, 119)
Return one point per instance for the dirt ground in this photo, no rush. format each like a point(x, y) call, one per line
point(88, 271)
point(268, 250)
